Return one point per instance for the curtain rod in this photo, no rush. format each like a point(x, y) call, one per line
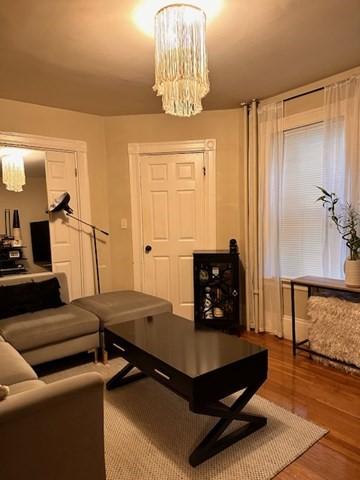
point(310, 87)
point(304, 93)
point(249, 103)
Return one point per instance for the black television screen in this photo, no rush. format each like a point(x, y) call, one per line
point(40, 241)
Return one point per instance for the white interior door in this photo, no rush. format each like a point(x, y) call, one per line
point(173, 220)
point(64, 231)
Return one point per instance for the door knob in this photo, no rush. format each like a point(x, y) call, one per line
point(148, 248)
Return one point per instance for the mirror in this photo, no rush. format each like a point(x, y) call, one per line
point(24, 225)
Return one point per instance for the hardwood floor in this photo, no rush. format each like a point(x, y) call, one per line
point(324, 395)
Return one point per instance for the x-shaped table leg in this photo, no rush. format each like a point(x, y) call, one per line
point(120, 378)
point(212, 444)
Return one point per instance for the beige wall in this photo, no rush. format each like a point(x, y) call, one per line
point(223, 125)
point(22, 117)
point(107, 140)
point(304, 103)
point(31, 203)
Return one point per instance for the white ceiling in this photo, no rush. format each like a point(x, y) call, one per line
point(87, 55)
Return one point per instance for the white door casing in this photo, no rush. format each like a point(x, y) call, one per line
point(78, 151)
point(64, 230)
point(173, 211)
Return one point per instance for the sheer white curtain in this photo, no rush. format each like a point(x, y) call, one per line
point(341, 162)
point(264, 151)
point(271, 159)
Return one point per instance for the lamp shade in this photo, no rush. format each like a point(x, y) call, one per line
point(61, 203)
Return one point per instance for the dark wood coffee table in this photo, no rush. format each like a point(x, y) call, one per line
point(202, 366)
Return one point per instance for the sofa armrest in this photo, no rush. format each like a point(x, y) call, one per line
point(54, 432)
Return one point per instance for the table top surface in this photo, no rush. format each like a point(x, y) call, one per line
point(177, 342)
point(324, 282)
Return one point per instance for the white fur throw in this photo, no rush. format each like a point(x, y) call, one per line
point(335, 329)
point(4, 391)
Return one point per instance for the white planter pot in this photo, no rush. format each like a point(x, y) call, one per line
point(352, 273)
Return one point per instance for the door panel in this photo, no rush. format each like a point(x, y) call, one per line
point(172, 196)
point(186, 199)
point(160, 210)
point(186, 288)
point(162, 278)
point(64, 231)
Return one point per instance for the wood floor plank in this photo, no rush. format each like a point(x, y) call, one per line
point(322, 394)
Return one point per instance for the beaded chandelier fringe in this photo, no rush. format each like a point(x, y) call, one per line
point(181, 69)
point(13, 172)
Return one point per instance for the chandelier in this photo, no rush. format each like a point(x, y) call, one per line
point(13, 172)
point(181, 70)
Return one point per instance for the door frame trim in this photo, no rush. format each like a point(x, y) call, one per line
point(136, 151)
point(79, 148)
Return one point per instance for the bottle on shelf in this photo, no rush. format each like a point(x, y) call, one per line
point(208, 304)
point(16, 242)
point(215, 273)
point(233, 248)
point(218, 311)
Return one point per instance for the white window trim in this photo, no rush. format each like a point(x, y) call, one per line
point(308, 117)
point(303, 119)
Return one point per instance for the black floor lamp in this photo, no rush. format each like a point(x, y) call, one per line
point(62, 203)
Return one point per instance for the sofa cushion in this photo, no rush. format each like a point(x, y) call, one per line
point(48, 294)
point(33, 330)
point(13, 368)
point(123, 305)
point(29, 297)
point(39, 277)
point(25, 386)
point(17, 299)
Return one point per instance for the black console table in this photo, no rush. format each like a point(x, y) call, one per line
point(316, 284)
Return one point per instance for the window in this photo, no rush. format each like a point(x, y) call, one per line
point(302, 216)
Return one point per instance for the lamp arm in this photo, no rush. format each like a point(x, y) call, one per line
point(88, 224)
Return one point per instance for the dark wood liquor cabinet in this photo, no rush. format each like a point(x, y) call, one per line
point(217, 290)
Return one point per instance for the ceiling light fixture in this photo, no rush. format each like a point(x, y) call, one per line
point(13, 171)
point(181, 68)
point(144, 12)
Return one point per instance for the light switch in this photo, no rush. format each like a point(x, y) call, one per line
point(124, 223)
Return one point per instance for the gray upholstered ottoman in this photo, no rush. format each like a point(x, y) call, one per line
point(121, 306)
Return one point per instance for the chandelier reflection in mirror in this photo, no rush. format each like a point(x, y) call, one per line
point(13, 172)
point(181, 68)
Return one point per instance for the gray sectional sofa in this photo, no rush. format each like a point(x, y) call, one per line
point(51, 333)
point(52, 431)
point(55, 431)
point(121, 306)
point(75, 327)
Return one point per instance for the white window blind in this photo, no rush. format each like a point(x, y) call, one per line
point(301, 216)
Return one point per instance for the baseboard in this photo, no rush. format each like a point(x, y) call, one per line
point(302, 328)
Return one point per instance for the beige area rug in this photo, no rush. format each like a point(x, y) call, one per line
point(150, 432)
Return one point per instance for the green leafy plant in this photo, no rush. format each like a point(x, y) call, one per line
point(346, 219)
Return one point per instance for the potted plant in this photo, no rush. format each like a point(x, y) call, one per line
point(347, 222)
